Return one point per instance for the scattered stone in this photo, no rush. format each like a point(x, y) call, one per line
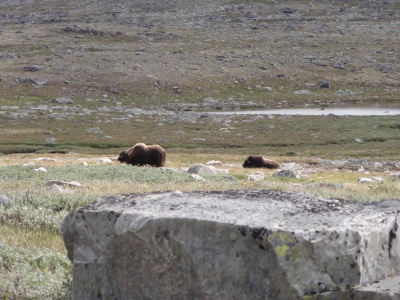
point(202, 169)
point(71, 184)
point(323, 84)
point(63, 100)
point(302, 92)
point(288, 10)
point(360, 141)
point(214, 163)
point(369, 180)
point(197, 177)
point(59, 189)
point(7, 55)
point(309, 57)
point(95, 130)
point(258, 176)
point(105, 160)
point(291, 165)
point(318, 63)
point(33, 68)
point(4, 200)
point(290, 173)
point(45, 159)
point(50, 141)
point(338, 66)
point(41, 169)
point(39, 82)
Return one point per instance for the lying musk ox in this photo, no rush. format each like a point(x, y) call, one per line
point(254, 161)
point(140, 155)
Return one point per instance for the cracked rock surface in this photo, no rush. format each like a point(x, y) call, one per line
point(233, 245)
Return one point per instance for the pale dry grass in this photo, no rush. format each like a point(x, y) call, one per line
point(24, 238)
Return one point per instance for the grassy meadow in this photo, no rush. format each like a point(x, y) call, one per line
point(33, 261)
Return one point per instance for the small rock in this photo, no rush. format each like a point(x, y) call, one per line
point(7, 55)
point(291, 165)
point(338, 66)
point(290, 173)
point(377, 178)
point(214, 163)
point(360, 141)
point(63, 183)
point(39, 81)
point(302, 92)
point(259, 176)
point(45, 159)
point(323, 84)
point(288, 10)
point(95, 130)
point(33, 68)
point(202, 169)
point(104, 160)
point(318, 63)
point(59, 189)
point(62, 100)
point(4, 200)
point(364, 180)
point(41, 169)
point(369, 180)
point(197, 177)
point(50, 141)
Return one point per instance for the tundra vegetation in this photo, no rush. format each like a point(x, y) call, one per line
point(79, 84)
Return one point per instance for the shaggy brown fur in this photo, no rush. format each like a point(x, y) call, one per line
point(254, 161)
point(140, 155)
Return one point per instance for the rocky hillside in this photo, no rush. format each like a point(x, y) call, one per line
point(156, 51)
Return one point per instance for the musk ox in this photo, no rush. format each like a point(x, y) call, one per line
point(140, 155)
point(254, 161)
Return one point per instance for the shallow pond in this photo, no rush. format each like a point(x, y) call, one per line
point(372, 110)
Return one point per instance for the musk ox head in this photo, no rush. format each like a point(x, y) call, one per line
point(254, 161)
point(123, 156)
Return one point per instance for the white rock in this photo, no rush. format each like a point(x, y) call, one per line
point(105, 160)
point(290, 173)
point(41, 169)
point(259, 176)
point(45, 159)
point(197, 177)
point(214, 163)
point(202, 169)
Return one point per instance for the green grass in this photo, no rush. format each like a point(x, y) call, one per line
point(33, 262)
point(307, 136)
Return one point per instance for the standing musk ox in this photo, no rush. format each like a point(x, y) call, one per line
point(254, 161)
point(140, 155)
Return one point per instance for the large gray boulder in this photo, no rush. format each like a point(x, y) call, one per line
point(233, 245)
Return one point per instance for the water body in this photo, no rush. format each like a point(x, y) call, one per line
point(376, 110)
